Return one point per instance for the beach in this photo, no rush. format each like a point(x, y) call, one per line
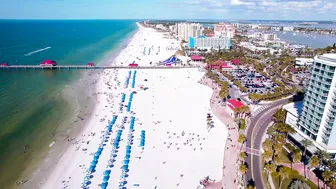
point(148, 129)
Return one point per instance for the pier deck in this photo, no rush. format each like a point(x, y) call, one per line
point(59, 67)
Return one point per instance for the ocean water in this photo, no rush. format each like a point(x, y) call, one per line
point(34, 104)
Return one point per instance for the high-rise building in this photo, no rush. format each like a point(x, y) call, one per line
point(317, 119)
point(210, 42)
point(186, 30)
point(224, 30)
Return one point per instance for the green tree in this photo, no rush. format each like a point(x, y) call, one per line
point(284, 173)
point(306, 143)
point(243, 169)
point(314, 161)
point(269, 167)
point(267, 144)
point(332, 183)
point(242, 156)
point(297, 184)
point(267, 155)
point(241, 138)
point(277, 148)
point(327, 175)
point(297, 157)
point(277, 160)
point(323, 156)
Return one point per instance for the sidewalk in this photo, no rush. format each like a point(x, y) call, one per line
point(229, 180)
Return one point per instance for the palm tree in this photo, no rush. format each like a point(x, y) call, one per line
point(243, 169)
point(327, 175)
point(284, 173)
point(242, 156)
point(268, 144)
point(241, 139)
point(306, 143)
point(323, 156)
point(332, 184)
point(285, 129)
point(277, 160)
point(277, 148)
point(269, 167)
point(314, 161)
point(267, 155)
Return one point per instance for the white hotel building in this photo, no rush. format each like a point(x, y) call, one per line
point(186, 30)
point(224, 30)
point(209, 42)
point(315, 118)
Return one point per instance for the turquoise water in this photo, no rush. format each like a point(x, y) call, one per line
point(32, 106)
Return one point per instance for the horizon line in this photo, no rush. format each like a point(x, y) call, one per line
point(175, 19)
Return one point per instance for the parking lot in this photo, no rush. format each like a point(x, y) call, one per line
point(254, 82)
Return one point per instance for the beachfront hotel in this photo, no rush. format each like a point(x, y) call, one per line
point(209, 42)
point(224, 30)
point(315, 117)
point(186, 30)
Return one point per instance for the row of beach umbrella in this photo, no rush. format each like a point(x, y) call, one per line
point(98, 153)
point(134, 75)
point(127, 154)
point(123, 96)
point(129, 102)
point(128, 78)
point(142, 138)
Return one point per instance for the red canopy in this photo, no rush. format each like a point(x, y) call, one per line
point(3, 64)
point(232, 103)
point(133, 65)
point(48, 62)
point(196, 57)
point(235, 61)
point(91, 64)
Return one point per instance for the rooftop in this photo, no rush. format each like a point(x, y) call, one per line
point(295, 108)
point(327, 58)
point(232, 103)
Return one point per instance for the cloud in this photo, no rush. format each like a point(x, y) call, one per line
point(241, 2)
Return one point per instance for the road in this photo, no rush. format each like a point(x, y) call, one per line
point(256, 130)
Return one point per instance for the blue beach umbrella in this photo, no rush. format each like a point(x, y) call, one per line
point(127, 156)
point(107, 172)
point(91, 168)
point(128, 151)
point(128, 147)
point(106, 178)
point(95, 158)
point(125, 167)
point(126, 161)
point(104, 185)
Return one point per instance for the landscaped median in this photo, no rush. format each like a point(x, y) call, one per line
point(287, 177)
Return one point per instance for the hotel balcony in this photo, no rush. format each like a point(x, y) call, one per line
point(328, 126)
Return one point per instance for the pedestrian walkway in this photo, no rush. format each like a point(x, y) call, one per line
point(248, 150)
point(231, 154)
point(256, 109)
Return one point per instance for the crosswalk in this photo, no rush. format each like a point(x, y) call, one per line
point(256, 109)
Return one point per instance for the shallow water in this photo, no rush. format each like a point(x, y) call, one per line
point(36, 107)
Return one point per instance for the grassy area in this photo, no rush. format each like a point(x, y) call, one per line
point(293, 176)
point(284, 156)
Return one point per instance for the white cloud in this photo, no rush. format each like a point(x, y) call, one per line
point(241, 2)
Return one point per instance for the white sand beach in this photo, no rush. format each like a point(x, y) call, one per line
point(170, 106)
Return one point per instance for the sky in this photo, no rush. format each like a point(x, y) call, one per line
point(169, 9)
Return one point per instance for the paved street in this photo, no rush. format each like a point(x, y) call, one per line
point(256, 130)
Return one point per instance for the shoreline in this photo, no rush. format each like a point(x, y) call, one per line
point(85, 106)
point(184, 164)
